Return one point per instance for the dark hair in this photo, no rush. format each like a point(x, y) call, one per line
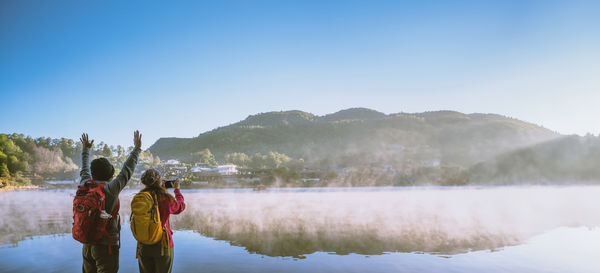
point(102, 169)
point(151, 179)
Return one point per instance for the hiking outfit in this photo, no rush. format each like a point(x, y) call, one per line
point(159, 257)
point(103, 256)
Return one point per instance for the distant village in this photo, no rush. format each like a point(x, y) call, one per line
point(200, 174)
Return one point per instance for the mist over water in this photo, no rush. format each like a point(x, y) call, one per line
point(369, 221)
point(34, 212)
point(440, 229)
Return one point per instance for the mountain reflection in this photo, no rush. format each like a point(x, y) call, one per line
point(374, 221)
point(341, 240)
point(368, 222)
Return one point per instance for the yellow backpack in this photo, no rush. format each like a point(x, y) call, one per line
point(145, 222)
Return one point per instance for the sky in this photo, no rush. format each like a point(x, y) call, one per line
point(182, 68)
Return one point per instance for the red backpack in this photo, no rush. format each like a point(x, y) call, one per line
point(90, 220)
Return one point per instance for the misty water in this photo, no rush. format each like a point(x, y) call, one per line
point(453, 229)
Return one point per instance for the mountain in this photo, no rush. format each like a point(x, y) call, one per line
point(365, 137)
point(353, 114)
point(272, 119)
point(563, 160)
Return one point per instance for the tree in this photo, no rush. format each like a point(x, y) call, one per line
point(239, 159)
point(146, 157)
point(106, 151)
point(4, 173)
point(12, 156)
point(257, 161)
point(13, 164)
point(282, 172)
point(204, 156)
point(120, 151)
point(7, 146)
point(50, 162)
point(43, 142)
point(67, 146)
point(275, 159)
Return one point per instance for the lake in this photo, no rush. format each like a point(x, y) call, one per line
point(391, 229)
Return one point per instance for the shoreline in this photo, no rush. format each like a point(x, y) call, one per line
point(326, 188)
point(18, 188)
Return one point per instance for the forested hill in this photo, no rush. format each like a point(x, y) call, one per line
point(563, 160)
point(360, 136)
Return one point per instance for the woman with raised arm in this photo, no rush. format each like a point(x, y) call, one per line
point(158, 257)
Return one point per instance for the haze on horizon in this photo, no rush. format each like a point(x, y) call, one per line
point(182, 69)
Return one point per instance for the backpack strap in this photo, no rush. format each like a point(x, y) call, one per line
point(114, 214)
point(165, 241)
point(91, 181)
point(137, 251)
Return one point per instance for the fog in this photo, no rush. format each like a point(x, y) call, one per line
point(295, 222)
point(34, 212)
point(439, 220)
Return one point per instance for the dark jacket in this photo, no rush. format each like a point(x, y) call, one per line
point(112, 188)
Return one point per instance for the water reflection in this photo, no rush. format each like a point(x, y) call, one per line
point(369, 222)
point(32, 213)
point(563, 250)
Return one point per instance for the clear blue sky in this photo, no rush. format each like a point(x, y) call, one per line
point(182, 68)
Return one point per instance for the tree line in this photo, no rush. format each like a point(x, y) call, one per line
point(23, 158)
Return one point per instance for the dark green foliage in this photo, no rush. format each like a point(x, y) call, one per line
point(4, 173)
point(278, 119)
point(353, 147)
point(258, 161)
point(357, 137)
point(23, 157)
point(43, 157)
point(204, 156)
point(11, 157)
point(240, 159)
point(106, 151)
point(353, 114)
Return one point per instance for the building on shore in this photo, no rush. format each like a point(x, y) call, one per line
point(211, 174)
point(172, 168)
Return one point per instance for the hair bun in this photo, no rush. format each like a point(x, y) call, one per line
point(151, 177)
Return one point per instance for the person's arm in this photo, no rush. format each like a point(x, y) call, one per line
point(178, 206)
point(85, 158)
point(116, 185)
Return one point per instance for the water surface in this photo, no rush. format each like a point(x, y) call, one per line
point(464, 229)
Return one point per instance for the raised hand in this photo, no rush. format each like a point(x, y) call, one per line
point(137, 139)
point(85, 141)
point(176, 184)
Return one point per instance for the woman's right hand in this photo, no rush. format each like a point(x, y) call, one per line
point(176, 184)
